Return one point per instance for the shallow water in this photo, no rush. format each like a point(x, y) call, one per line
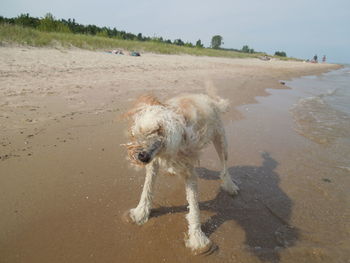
point(305, 133)
point(323, 112)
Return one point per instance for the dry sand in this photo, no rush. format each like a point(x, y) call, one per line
point(65, 182)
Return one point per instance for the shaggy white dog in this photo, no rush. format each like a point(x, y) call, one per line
point(170, 136)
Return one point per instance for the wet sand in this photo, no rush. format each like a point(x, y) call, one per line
point(65, 182)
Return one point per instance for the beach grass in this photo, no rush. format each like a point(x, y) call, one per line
point(18, 35)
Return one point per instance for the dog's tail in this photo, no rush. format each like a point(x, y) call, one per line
point(222, 104)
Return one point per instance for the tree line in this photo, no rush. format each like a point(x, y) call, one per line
point(50, 24)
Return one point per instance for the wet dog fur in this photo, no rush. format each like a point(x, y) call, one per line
point(170, 136)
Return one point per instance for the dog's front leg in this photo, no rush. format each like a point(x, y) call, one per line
point(140, 214)
point(197, 240)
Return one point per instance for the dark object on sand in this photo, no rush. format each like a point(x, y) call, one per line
point(135, 54)
point(282, 82)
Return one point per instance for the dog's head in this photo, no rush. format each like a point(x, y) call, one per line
point(154, 130)
point(146, 136)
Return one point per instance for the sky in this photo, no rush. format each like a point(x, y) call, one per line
point(301, 28)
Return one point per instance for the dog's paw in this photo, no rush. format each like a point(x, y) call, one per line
point(135, 216)
point(230, 187)
point(206, 250)
point(127, 218)
point(199, 243)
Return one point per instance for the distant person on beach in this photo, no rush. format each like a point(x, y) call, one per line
point(315, 59)
point(324, 59)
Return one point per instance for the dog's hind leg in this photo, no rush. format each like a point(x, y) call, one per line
point(220, 143)
point(197, 240)
point(140, 214)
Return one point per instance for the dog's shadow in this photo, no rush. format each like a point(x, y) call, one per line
point(261, 208)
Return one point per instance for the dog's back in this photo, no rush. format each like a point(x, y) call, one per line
point(199, 107)
point(202, 116)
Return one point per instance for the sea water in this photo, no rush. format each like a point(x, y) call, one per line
point(291, 160)
point(323, 115)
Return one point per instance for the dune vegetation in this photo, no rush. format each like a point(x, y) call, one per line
point(18, 35)
point(48, 31)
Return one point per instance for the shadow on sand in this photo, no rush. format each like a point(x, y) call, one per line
point(261, 208)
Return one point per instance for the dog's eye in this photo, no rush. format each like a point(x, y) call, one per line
point(150, 133)
point(158, 131)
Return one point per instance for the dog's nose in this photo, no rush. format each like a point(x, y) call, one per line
point(144, 157)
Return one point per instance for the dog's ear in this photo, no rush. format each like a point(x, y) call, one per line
point(128, 115)
point(147, 99)
point(141, 101)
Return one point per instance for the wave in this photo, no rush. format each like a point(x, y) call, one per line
point(319, 121)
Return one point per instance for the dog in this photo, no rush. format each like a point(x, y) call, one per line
point(170, 136)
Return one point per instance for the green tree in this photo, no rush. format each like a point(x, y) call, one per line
point(49, 24)
point(26, 20)
point(280, 53)
point(245, 49)
point(139, 37)
point(199, 43)
point(179, 42)
point(216, 41)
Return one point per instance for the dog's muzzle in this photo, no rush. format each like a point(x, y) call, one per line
point(145, 156)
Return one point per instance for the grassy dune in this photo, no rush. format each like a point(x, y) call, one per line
point(17, 35)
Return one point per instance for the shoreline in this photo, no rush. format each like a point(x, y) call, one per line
point(66, 183)
point(297, 180)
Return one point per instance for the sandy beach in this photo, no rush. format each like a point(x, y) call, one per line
point(65, 182)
